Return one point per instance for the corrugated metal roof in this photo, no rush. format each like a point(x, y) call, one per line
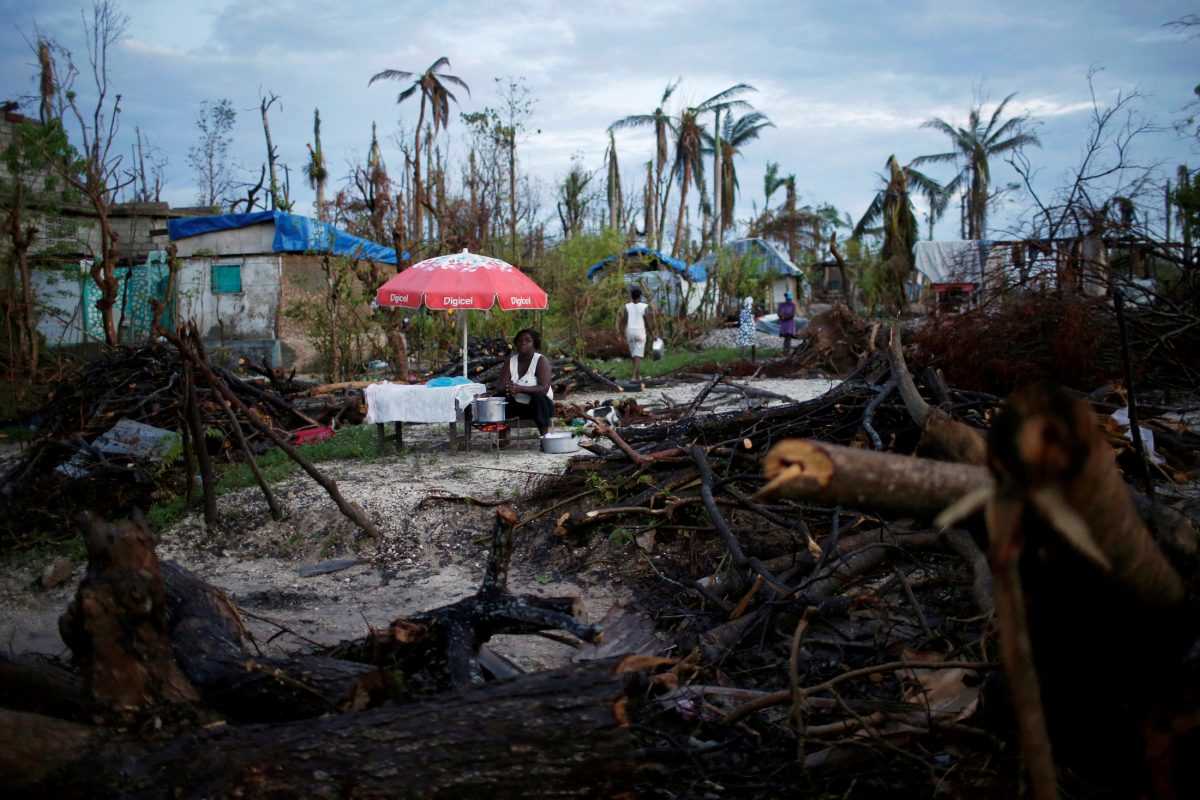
point(771, 259)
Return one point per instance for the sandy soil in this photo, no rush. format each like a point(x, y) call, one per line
point(432, 551)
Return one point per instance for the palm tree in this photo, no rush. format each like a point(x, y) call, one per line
point(661, 122)
point(434, 92)
point(974, 145)
point(893, 208)
point(893, 188)
point(688, 164)
point(689, 147)
point(573, 199)
point(718, 103)
point(771, 183)
point(735, 135)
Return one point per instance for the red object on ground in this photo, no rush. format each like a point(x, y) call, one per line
point(312, 434)
point(493, 427)
point(462, 280)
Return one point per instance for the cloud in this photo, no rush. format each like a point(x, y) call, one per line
point(846, 85)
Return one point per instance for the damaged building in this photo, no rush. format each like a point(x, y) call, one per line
point(238, 273)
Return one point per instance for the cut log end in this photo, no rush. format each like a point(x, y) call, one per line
point(797, 460)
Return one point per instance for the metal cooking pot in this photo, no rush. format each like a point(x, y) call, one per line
point(559, 443)
point(488, 409)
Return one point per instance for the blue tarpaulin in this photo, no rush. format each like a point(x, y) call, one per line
point(293, 234)
point(692, 273)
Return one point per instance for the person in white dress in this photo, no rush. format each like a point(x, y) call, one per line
point(526, 381)
point(637, 319)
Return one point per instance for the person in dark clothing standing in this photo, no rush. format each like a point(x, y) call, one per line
point(787, 320)
point(526, 381)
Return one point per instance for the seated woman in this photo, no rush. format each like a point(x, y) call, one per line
point(526, 381)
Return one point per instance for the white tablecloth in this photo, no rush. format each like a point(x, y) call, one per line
point(392, 402)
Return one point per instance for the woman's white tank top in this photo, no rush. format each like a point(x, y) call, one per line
point(528, 379)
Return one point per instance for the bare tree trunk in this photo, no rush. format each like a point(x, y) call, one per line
point(263, 106)
point(666, 199)
point(144, 193)
point(791, 211)
point(416, 187)
point(104, 272)
point(22, 237)
point(716, 203)
point(333, 285)
point(431, 234)
point(319, 168)
point(679, 229)
point(650, 204)
point(512, 189)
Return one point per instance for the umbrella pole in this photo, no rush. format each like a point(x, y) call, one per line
point(464, 327)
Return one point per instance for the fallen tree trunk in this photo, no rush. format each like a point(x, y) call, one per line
point(564, 733)
point(867, 479)
point(210, 644)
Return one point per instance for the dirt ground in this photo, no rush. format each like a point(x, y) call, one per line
point(432, 550)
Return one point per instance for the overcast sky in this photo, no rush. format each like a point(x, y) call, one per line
point(846, 84)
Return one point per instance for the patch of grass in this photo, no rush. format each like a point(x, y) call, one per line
point(676, 361)
point(166, 513)
point(356, 442)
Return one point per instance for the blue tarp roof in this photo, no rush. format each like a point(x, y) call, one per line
point(695, 272)
point(293, 234)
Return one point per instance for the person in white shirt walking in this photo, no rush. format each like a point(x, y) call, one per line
point(637, 320)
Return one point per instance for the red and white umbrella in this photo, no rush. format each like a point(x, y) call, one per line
point(465, 282)
point(462, 281)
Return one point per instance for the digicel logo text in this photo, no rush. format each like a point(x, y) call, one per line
point(399, 298)
point(458, 301)
point(520, 301)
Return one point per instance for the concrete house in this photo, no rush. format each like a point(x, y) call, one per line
point(238, 273)
point(66, 241)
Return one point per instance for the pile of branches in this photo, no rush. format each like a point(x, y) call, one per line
point(833, 341)
point(1067, 338)
point(149, 385)
point(486, 358)
point(818, 633)
point(483, 353)
point(836, 638)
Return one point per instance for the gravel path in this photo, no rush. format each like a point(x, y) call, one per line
point(727, 337)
